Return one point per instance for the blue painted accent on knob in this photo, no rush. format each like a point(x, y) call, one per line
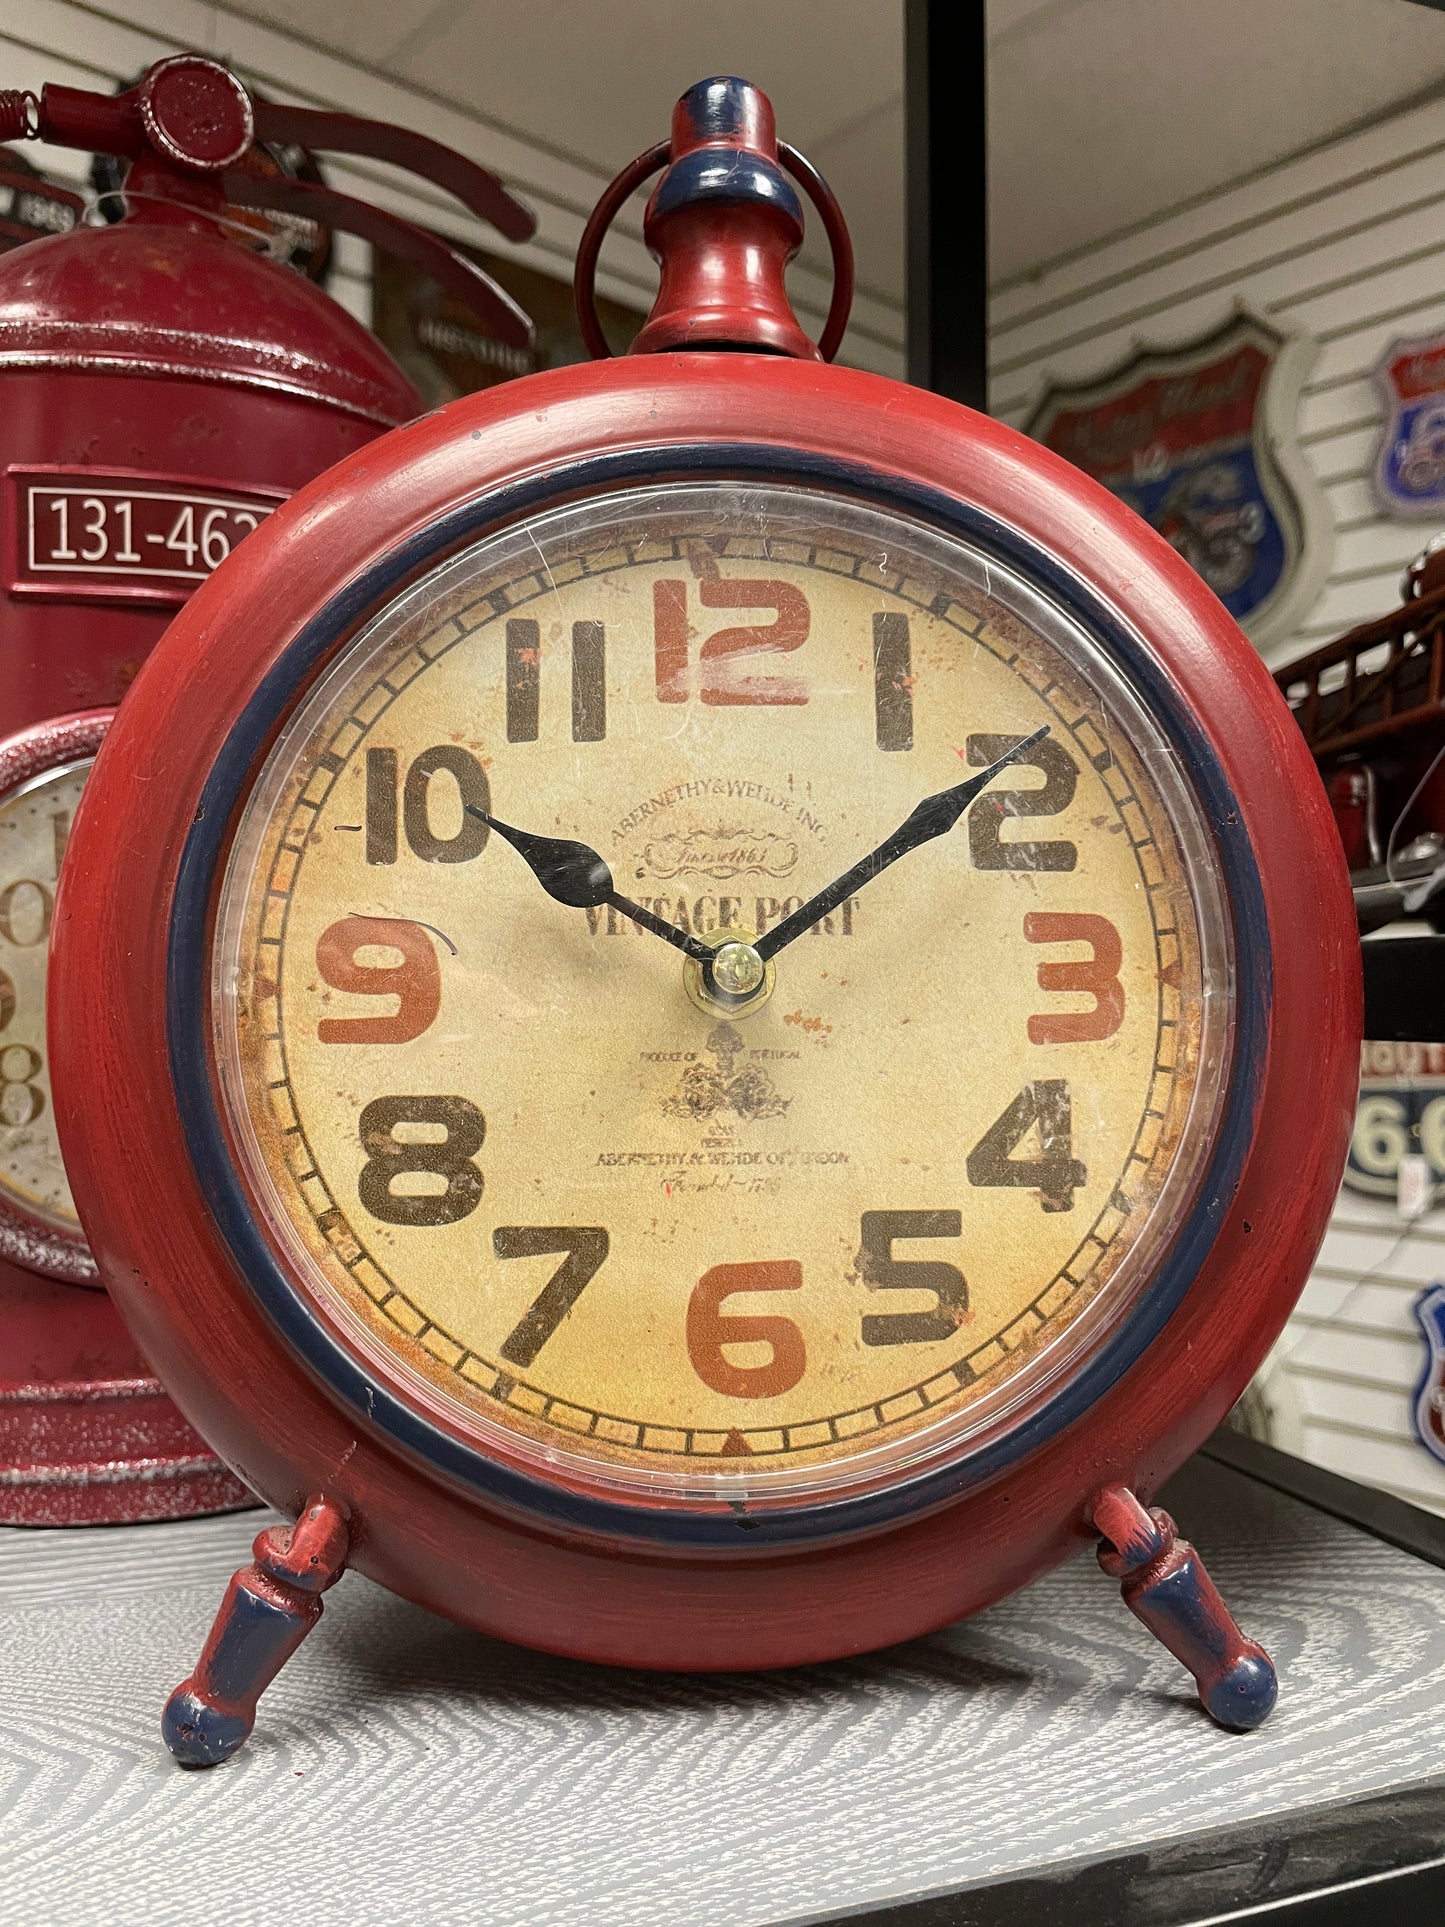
point(198, 1734)
point(725, 174)
point(1244, 1697)
point(718, 108)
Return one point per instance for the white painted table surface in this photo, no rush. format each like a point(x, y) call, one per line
point(404, 1770)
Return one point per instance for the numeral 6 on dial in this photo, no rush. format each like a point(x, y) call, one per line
point(709, 1328)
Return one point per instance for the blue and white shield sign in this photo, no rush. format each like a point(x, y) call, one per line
point(1201, 439)
point(1410, 466)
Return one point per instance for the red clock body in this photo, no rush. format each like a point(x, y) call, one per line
point(802, 1303)
point(171, 1271)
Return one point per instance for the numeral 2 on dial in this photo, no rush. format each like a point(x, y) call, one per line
point(986, 818)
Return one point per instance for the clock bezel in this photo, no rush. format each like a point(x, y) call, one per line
point(27, 1239)
point(569, 1499)
point(419, 1532)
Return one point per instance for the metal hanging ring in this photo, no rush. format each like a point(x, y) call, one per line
point(825, 202)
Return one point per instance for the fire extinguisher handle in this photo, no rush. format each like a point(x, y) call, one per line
point(196, 116)
point(454, 272)
point(473, 186)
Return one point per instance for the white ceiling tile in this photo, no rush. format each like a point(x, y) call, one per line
point(1102, 112)
point(600, 79)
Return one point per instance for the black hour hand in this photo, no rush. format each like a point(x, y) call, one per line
point(575, 874)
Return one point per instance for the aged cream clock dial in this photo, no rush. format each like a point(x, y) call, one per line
point(851, 1217)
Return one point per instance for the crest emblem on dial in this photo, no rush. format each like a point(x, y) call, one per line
point(1201, 440)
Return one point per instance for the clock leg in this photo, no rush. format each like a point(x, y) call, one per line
point(269, 1608)
point(1163, 1583)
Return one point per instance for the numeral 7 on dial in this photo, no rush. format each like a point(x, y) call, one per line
point(585, 1247)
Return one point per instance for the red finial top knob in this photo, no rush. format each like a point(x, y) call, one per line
point(724, 222)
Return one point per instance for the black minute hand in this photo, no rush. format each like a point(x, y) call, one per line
point(576, 875)
point(934, 816)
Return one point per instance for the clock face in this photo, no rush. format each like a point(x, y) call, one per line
point(35, 820)
point(577, 1209)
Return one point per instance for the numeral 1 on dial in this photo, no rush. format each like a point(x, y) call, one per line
point(892, 681)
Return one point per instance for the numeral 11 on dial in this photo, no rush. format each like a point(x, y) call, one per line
point(524, 680)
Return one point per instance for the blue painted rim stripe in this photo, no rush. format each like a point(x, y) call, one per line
point(188, 982)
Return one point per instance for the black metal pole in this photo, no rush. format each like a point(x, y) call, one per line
point(945, 106)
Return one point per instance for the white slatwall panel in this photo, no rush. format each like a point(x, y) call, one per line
point(1352, 1353)
point(92, 46)
point(1347, 242)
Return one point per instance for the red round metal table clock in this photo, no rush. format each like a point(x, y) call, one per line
point(732, 1020)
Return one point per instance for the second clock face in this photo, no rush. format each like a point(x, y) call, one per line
point(35, 822)
point(565, 1205)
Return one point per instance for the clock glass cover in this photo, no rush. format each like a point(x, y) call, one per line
point(584, 1216)
point(35, 820)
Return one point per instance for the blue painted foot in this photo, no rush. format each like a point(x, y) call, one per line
point(1242, 1698)
point(1164, 1584)
point(269, 1608)
point(201, 1735)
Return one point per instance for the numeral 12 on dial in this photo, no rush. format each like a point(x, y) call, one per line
point(721, 681)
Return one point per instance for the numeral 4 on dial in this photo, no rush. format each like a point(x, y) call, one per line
point(1056, 1173)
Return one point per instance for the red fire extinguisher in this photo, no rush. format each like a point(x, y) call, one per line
point(162, 390)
